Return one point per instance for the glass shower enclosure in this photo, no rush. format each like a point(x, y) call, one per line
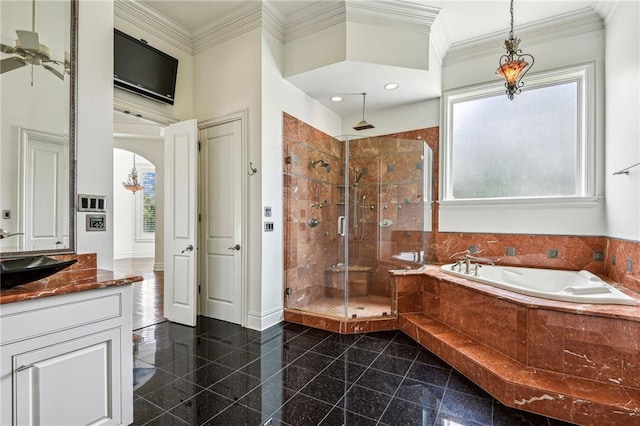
point(355, 208)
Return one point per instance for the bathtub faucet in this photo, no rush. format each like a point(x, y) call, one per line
point(468, 259)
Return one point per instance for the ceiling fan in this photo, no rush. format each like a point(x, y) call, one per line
point(29, 51)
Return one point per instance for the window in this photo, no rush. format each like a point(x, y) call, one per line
point(146, 205)
point(536, 147)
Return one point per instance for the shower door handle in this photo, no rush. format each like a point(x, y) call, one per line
point(341, 226)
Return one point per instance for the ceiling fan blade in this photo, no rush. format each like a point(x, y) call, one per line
point(7, 49)
point(29, 40)
point(54, 71)
point(10, 64)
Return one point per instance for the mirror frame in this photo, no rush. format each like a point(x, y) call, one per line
point(73, 55)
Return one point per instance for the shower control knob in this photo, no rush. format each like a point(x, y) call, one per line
point(236, 247)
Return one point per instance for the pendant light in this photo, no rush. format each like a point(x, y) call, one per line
point(513, 66)
point(132, 183)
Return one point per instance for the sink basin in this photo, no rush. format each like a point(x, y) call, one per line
point(14, 272)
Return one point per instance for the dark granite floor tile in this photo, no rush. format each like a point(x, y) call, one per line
point(448, 419)
point(345, 339)
point(401, 412)
point(201, 408)
point(237, 359)
point(345, 371)
point(426, 395)
point(211, 350)
point(318, 333)
point(236, 415)
point(427, 357)
point(467, 407)
point(292, 377)
point(403, 339)
point(172, 394)
point(267, 398)
point(297, 328)
point(505, 416)
point(391, 364)
point(262, 347)
point(366, 402)
point(167, 419)
point(342, 417)
point(326, 389)
point(383, 335)
point(209, 374)
point(266, 366)
point(302, 410)
point(304, 342)
point(235, 386)
point(313, 361)
point(380, 381)
point(183, 365)
point(332, 349)
point(215, 327)
point(401, 351)
point(556, 422)
point(458, 382)
point(372, 344)
point(429, 374)
point(144, 411)
point(359, 356)
point(148, 379)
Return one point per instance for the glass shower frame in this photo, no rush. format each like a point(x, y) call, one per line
point(344, 218)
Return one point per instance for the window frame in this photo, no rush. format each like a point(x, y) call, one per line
point(142, 236)
point(584, 76)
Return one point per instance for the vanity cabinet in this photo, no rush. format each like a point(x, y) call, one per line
point(67, 359)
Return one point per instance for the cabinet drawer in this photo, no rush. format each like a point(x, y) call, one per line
point(42, 319)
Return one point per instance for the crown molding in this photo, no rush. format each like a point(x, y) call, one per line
point(317, 17)
point(154, 23)
point(554, 28)
point(273, 20)
point(244, 18)
point(399, 14)
point(605, 9)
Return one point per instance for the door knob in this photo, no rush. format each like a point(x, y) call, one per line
point(189, 248)
point(236, 247)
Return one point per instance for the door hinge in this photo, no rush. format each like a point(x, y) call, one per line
point(288, 291)
point(199, 146)
point(199, 217)
point(199, 288)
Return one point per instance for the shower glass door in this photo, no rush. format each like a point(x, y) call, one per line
point(316, 226)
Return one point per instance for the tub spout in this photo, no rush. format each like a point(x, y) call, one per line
point(468, 259)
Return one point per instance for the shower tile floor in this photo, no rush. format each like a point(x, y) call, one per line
point(221, 374)
point(362, 306)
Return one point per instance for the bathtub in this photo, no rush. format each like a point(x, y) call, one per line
point(568, 286)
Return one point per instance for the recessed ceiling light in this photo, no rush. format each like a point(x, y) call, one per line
point(391, 86)
point(336, 99)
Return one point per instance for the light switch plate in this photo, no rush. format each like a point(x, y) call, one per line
point(92, 203)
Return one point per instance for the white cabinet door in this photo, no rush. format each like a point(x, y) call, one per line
point(72, 383)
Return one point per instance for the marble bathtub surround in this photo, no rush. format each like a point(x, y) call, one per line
point(578, 363)
point(81, 276)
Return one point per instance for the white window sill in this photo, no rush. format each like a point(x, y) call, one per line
point(532, 202)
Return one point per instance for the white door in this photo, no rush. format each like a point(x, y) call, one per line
point(222, 177)
point(180, 222)
point(46, 190)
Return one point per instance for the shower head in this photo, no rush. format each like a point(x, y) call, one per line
point(363, 125)
point(322, 163)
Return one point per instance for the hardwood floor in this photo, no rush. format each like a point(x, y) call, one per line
point(148, 294)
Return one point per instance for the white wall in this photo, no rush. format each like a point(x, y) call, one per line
point(561, 220)
point(278, 96)
point(622, 121)
point(95, 122)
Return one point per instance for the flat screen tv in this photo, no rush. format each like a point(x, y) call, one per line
point(142, 69)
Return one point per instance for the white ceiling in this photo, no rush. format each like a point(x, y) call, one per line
point(459, 22)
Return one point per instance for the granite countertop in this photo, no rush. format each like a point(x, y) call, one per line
point(65, 283)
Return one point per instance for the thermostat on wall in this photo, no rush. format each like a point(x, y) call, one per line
point(96, 222)
point(92, 203)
